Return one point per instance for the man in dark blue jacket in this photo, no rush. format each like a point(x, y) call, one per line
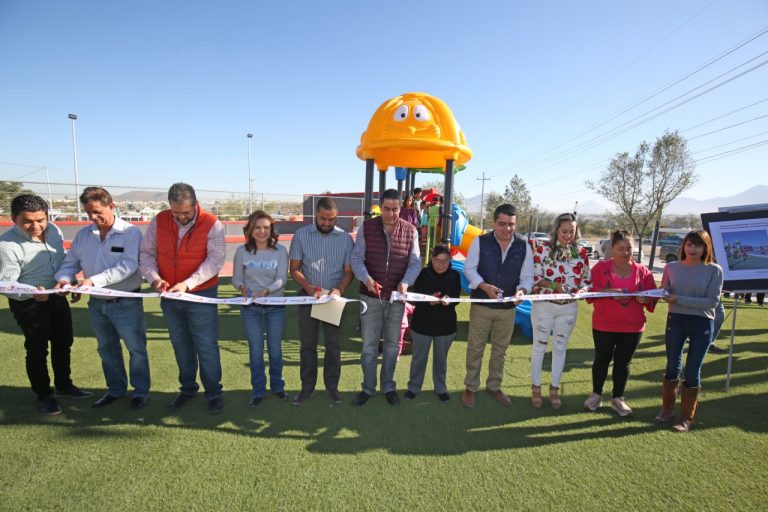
point(498, 264)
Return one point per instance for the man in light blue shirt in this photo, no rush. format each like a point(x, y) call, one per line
point(30, 253)
point(320, 260)
point(107, 252)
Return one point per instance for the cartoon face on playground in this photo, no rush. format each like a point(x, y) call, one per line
point(413, 130)
point(409, 118)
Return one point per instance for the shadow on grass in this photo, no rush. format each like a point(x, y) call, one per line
point(424, 426)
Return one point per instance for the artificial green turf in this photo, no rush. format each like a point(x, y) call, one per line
point(421, 455)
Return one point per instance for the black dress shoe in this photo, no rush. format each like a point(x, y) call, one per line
point(444, 397)
point(714, 349)
point(180, 400)
point(139, 402)
point(49, 406)
point(409, 395)
point(392, 397)
point(334, 395)
point(255, 401)
point(73, 392)
point(360, 398)
point(216, 405)
point(105, 400)
point(282, 395)
point(301, 397)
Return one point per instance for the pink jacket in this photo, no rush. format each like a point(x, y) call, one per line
point(627, 315)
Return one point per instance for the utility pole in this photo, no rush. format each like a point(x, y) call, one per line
point(482, 200)
point(250, 179)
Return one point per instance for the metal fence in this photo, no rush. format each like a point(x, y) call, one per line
point(135, 203)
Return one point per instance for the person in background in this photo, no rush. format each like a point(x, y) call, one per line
point(385, 259)
point(30, 253)
point(260, 269)
point(417, 192)
point(618, 323)
point(183, 251)
point(719, 319)
point(320, 259)
point(560, 267)
point(424, 222)
point(499, 264)
point(107, 252)
point(694, 285)
point(434, 322)
point(409, 213)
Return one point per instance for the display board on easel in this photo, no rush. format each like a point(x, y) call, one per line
point(740, 243)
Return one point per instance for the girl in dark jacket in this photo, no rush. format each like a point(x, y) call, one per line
point(434, 321)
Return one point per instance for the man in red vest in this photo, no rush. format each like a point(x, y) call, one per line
point(385, 259)
point(183, 251)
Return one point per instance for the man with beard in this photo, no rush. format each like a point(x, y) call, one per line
point(183, 251)
point(320, 259)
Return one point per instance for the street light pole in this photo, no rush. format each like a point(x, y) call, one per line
point(73, 117)
point(482, 200)
point(250, 180)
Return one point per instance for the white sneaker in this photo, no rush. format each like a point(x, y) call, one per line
point(620, 407)
point(593, 402)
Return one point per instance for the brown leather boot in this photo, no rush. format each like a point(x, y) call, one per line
point(688, 403)
point(668, 397)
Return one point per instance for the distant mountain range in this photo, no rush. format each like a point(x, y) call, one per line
point(680, 206)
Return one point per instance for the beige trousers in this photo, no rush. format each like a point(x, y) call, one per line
point(487, 323)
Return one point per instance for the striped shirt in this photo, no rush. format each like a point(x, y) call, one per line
point(112, 263)
point(322, 257)
point(30, 261)
point(210, 267)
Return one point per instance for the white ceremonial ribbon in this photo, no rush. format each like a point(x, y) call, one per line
point(658, 293)
point(13, 288)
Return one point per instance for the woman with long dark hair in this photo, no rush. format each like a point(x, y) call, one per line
point(260, 269)
point(694, 284)
point(409, 213)
point(617, 323)
point(559, 267)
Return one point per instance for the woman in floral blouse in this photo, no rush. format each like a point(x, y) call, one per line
point(560, 267)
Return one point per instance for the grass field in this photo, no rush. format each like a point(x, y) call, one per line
point(421, 455)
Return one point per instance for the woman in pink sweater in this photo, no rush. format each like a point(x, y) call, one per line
point(617, 323)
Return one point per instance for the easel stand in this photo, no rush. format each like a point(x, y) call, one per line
point(733, 335)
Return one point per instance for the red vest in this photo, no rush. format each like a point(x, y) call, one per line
point(386, 263)
point(176, 260)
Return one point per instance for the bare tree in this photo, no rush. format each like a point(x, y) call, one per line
point(644, 184)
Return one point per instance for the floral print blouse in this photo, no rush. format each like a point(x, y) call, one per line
point(568, 266)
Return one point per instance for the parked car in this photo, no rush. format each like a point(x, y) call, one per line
point(669, 253)
point(538, 237)
point(586, 245)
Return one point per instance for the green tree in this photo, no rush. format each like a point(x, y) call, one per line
point(458, 197)
point(9, 190)
point(643, 184)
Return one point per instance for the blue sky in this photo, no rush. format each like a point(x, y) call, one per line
point(167, 91)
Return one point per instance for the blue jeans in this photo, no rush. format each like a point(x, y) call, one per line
point(194, 331)
point(256, 319)
point(383, 319)
point(698, 330)
point(112, 320)
point(421, 343)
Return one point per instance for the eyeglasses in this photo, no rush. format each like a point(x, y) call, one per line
point(441, 261)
